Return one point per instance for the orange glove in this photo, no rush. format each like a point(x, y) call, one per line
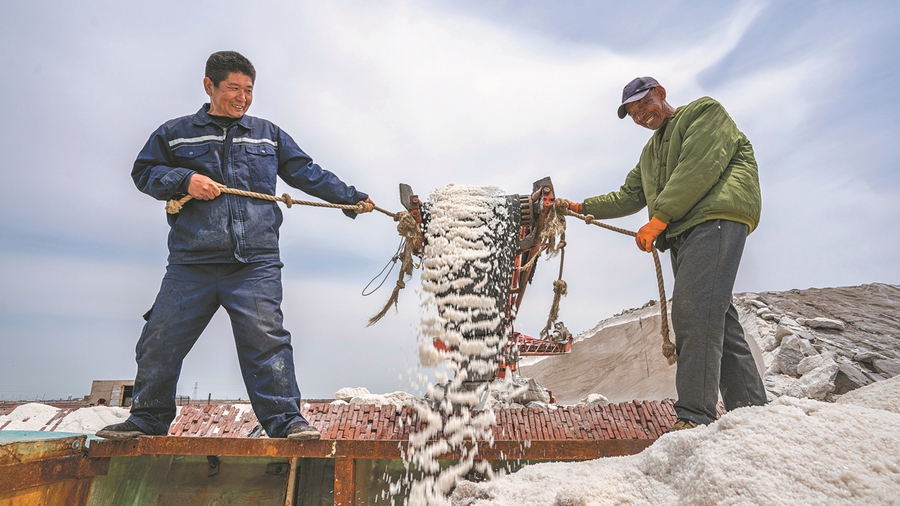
point(649, 232)
point(575, 207)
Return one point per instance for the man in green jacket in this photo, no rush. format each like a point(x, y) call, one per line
point(698, 178)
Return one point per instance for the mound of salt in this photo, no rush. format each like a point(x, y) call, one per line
point(90, 420)
point(31, 416)
point(792, 451)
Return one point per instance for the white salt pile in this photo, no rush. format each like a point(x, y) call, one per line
point(880, 395)
point(38, 417)
point(361, 395)
point(90, 420)
point(31, 416)
point(791, 451)
point(626, 347)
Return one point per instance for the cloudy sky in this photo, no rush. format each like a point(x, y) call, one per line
point(427, 93)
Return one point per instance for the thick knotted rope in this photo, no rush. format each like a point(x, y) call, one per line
point(667, 347)
point(560, 288)
point(407, 227)
point(174, 206)
point(555, 225)
point(411, 234)
point(409, 230)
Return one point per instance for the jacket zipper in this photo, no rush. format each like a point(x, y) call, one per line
point(224, 153)
point(225, 178)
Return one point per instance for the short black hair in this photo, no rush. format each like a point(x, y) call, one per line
point(222, 63)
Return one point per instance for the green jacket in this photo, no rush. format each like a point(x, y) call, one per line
point(697, 167)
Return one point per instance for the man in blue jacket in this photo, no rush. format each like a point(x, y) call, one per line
point(223, 250)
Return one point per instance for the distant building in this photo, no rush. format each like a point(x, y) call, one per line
point(111, 393)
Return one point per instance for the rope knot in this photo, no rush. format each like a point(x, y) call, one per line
point(407, 226)
point(360, 207)
point(410, 234)
point(589, 218)
point(288, 201)
point(173, 206)
point(669, 351)
point(560, 287)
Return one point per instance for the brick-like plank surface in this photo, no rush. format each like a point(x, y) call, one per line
point(628, 420)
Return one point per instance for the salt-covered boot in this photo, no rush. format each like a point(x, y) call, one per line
point(123, 430)
point(302, 431)
point(682, 424)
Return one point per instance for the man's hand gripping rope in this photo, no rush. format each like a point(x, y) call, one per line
point(207, 191)
point(575, 209)
point(203, 188)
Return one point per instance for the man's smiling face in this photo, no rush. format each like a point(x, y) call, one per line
point(232, 97)
point(650, 111)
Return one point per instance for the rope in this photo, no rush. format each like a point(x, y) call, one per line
point(174, 206)
point(667, 347)
point(554, 225)
point(407, 227)
point(411, 234)
point(409, 230)
point(560, 288)
point(389, 267)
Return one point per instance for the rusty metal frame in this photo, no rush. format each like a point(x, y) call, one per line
point(35, 463)
point(345, 481)
point(574, 449)
point(346, 452)
point(46, 471)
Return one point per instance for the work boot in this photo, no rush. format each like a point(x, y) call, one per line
point(302, 431)
point(123, 430)
point(682, 424)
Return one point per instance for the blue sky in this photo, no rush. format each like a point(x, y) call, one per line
point(426, 93)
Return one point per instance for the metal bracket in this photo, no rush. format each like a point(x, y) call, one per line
point(213, 465)
point(277, 468)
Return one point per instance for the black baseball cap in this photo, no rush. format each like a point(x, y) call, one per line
point(634, 91)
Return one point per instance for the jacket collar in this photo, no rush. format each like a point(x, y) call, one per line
point(663, 131)
point(202, 118)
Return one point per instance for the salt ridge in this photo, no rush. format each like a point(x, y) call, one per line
point(791, 451)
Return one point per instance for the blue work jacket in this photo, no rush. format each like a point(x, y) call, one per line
point(246, 156)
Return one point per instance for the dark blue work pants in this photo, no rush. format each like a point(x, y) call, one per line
point(189, 297)
point(713, 353)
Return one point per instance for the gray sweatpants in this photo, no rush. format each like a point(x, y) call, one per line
point(713, 354)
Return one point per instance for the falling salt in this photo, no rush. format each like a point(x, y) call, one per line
point(459, 301)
